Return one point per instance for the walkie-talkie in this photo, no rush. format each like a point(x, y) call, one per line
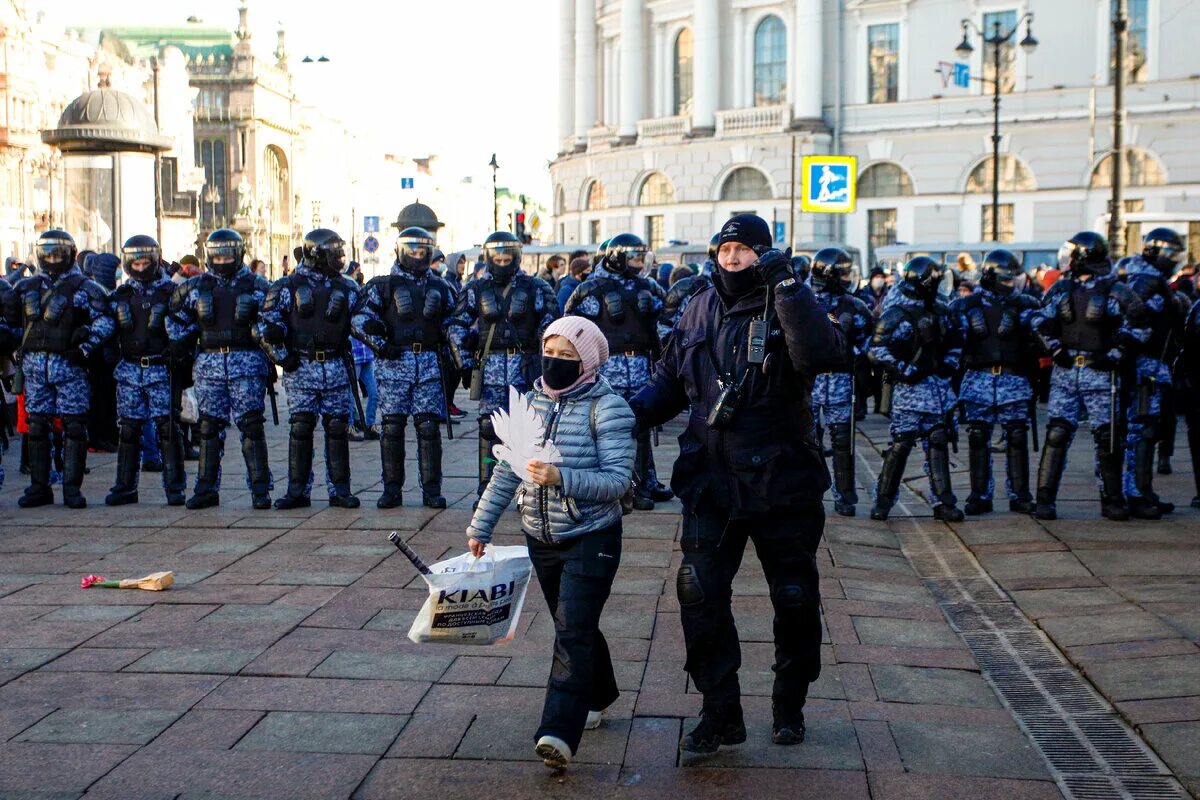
point(757, 344)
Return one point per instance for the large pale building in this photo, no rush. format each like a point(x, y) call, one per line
point(675, 114)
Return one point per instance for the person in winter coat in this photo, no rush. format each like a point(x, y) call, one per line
point(571, 515)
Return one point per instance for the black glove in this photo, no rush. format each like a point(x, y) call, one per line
point(774, 266)
point(374, 327)
point(466, 379)
point(290, 363)
point(78, 356)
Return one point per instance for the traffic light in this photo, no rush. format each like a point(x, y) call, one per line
point(519, 225)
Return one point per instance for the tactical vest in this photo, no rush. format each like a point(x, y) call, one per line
point(1161, 343)
point(926, 356)
point(225, 329)
point(141, 317)
point(1089, 328)
point(318, 318)
point(414, 312)
point(625, 327)
point(1001, 343)
point(51, 317)
point(512, 310)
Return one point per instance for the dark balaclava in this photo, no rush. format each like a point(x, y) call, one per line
point(752, 231)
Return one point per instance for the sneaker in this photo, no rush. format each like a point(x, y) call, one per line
point(594, 719)
point(553, 752)
point(787, 728)
point(713, 731)
point(457, 413)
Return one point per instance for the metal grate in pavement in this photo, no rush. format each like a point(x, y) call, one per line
point(1091, 752)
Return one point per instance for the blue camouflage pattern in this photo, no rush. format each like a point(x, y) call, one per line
point(627, 374)
point(833, 392)
point(143, 393)
point(986, 396)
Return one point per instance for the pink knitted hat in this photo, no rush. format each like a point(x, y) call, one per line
point(587, 340)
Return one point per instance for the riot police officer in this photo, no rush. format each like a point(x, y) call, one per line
point(66, 319)
point(496, 332)
point(831, 270)
point(676, 301)
point(626, 306)
point(219, 308)
point(1149, 276)
point(401, 317)
point(919, 345)
point(998, 353)
point(1089, 321)
point(140, 306)
point(1187, 377)
point(10, 325)
point(305, 329)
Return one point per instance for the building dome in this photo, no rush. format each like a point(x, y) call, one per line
point(417, 215)
point(106, 120)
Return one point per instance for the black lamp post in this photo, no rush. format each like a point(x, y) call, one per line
point(997, 39)
point(495, 194)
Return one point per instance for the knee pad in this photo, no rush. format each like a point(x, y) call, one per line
point(39, 426)
point(427, 426)
point(486, 429)
point(789, 596)
point(1058, 433)
point(394, 425)
point(252, 425)
point(1016, 429)
point(162, 426)
point(939, 436)
point(211, 427)
point(979, 434)
point(687, 586)
point(839, 436)
point(303, 424)
point(75, 427)
point(130, 431)
point(1149, 428)
point(336, 427)
point(903, 442)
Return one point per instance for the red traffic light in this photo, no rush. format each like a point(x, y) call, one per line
point(520, 217)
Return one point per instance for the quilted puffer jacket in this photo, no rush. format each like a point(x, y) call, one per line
point(592, 426)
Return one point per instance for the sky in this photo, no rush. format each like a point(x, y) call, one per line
point(459, 78)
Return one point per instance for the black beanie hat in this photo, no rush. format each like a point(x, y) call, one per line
point(748, 229)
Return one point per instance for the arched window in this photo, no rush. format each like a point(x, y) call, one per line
point(770, 62)
point(683, 72)
point(884, 180)
point(656, 191)
point(275, 163)
point(597, 200)
point(1014, 176)
point(1141, 169)
point(560, 202)
point(746, 183)
point(211, 155)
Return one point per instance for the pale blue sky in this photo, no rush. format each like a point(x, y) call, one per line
point(461, 78)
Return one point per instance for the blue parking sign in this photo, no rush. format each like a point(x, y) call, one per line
point(962, 75)
point(829, 184)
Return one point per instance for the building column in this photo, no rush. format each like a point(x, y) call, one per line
point(585, 69)
point(740, 65)
point(706, 66)
point(566, 72)
point(633, 68)
point(664, 100)
point(807, 78)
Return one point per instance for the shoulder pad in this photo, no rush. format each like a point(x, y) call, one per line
point(682, 288)
point(858, 305)
point(540, 284)
point(347, 283)
point(122, 292)
point(260, 284)
point(1026, 301)
point(93, 289)
point(29, 284)
point(271, 301)
point(179, 296)
point(378, 280)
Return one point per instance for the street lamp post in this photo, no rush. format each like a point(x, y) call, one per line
point(495, 194)
point(996, 40)
point(1116, 213)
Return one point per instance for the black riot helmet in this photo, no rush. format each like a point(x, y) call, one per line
point(324, 251)
point(144, 250)
point(55, 251)
point(1000, 272)
point(831, 270)
point(224, 251)
point(920, 278)
point(502, 254)
point(1163, 249)
point(1085, 253)
point(626, 254)
point(801, 267)
point(414, 250)
point(598, 256)
point(714, 244)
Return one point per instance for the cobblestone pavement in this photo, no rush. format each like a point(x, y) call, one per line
point(278, 665)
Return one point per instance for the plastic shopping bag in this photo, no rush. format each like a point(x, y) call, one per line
point(474, 600)
point(189, 407)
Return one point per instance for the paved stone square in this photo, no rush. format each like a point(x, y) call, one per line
point(278, 665)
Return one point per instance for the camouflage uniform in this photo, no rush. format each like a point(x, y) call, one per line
point(66, 320)
point(676, 302)
point(10, 327)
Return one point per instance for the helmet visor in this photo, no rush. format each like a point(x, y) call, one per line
point(1065, 254)
point(502, 255)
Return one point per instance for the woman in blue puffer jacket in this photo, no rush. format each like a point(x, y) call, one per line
point(571, 515)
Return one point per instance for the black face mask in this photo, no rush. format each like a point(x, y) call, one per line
point(736, 285)
point(559, 373)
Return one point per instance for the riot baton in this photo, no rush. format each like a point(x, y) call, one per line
point(447, 396)
point(352, 380)
point(271, 378)
point(853, 410)
point(1112, 411)
point(1033, 419)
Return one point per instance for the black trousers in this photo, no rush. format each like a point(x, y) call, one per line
point(576, 577)
point(786, 543)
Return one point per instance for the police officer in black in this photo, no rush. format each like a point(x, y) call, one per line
point(140, 306)
point(496, 332)
point(305, 329)
point(1187, 384)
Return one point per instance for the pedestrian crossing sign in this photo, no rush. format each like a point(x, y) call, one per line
point(829, 184)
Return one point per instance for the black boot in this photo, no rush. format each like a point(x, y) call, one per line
point(1016, 437)
point(1110, 461)
point(939, 476)
point(129, 453)
point(718, 726)
point(891, 473)
point(429, 461)
point(337, 462)
point(208, 468)
point(75, 447)
point(1145, 504)
point(843, 469)
point(979, 440)
point(391, 452)
point(300, 458)
point(641, 470)
point(170, 444)
point(487, 462)
point(37, 449)
point(787, 726)
point(254, 453)
point(1050, 469)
